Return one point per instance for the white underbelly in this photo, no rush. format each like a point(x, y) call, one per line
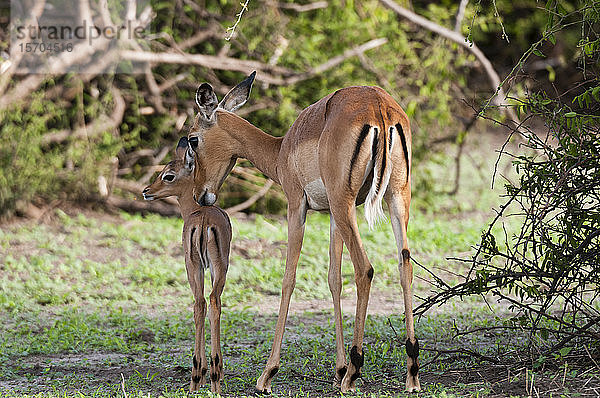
point(316, 195)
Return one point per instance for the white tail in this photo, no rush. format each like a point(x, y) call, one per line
point(382, 146)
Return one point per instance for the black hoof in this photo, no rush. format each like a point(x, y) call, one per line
point(261, 392)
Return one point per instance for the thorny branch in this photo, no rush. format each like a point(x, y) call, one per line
point(231, 29)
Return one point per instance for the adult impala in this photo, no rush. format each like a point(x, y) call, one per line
point(351, 147)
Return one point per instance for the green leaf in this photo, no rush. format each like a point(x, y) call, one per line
point(552, 38)
point(538, 53)
point(596, 93)
point(565, 351)
point(570, 114)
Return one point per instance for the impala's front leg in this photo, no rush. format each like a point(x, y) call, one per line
point(336, 246)
point(296, 219)
point(200, 365)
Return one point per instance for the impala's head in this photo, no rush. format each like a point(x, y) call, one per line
point(176, 177)
point(208, 137)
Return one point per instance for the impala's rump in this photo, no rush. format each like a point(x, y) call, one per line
point(356, 126)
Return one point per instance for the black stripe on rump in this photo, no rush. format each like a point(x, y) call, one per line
point(383, 161)
point(216, 237)
point(404, 147)
point(201, 251)
point(201, 241)
point(374, 153)
point(359, 142)
point(192, 239)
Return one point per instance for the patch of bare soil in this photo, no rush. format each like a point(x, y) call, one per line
point(380, 303)
point(168, 370)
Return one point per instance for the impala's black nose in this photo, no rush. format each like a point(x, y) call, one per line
point(145, 194)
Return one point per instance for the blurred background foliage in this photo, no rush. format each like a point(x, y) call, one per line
point(439, 84)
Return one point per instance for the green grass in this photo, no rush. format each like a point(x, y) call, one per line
point(93, 305)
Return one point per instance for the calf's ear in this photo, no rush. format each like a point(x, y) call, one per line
point(181, 147)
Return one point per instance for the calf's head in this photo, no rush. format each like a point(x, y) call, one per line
point(177, 177)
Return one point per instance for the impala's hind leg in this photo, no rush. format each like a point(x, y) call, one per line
point(345, 220)
point(219, 265)
point(398, 205)
point(336, 246)
point(200, 365)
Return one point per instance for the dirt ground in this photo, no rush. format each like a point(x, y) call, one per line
point(166, 368)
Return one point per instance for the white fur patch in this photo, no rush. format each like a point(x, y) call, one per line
point(316, 195)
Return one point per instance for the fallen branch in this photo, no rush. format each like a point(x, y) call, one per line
point(162, 208)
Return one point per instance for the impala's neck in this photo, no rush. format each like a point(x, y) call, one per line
point(187, 204)
point(253, 144)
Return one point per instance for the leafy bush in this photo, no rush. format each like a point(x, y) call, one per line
point(549, 272)
point(31, 168)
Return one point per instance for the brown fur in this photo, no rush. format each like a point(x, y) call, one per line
point(320, 145)
point(206, 239)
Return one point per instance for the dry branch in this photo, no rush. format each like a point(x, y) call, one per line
point(16, 56)
point(128, 170)
point(155, 160)
point(251, 200)
point(137, 188)
point(81, 55)
point(303, 7)
point(458, 38)
point(210, 61)
point(460, 15)
point(270, 74)
point(338, 60)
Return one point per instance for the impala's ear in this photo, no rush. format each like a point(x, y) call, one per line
point(207, 101)
point(182, 146)
point(238, 95)
point(189, 161)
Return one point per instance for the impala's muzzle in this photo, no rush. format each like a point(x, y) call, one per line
point(146, 195)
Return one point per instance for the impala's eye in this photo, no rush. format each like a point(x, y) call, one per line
point(168, 177)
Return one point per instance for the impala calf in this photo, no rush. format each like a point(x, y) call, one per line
point(351, 147)
point(206, 240)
